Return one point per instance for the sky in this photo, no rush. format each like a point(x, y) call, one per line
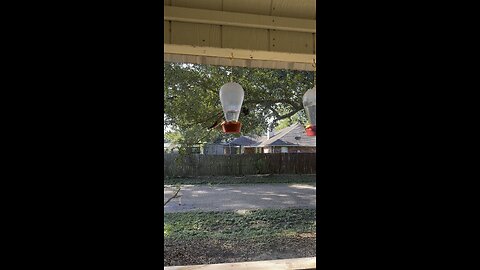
point(166, 128)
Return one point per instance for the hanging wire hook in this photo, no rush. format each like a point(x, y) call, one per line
point(231, 68)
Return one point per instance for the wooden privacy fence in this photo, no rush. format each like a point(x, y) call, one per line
point(246, 164)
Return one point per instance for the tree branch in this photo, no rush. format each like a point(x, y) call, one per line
point(269, 103)
point(288, 114)
point(280, 117)
point(173, 197)
point(216, 116)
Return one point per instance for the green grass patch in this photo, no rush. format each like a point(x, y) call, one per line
point(239, 224)
point(248, 179)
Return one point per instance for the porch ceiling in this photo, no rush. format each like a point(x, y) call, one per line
point(258, 33)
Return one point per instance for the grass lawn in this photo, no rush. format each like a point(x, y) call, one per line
point(248, 179)
point(235, 236)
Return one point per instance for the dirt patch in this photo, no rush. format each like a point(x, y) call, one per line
point(210, 251)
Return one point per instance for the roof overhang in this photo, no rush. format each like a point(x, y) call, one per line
point(248, 33)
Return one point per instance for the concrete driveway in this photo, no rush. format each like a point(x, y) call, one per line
point(240, 197)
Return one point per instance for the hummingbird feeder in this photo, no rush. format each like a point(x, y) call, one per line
point(231, 97)
point(310, 105)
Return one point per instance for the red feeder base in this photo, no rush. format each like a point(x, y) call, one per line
point(231, 127)
point(311, 130)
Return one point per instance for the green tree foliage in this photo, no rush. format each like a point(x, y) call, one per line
point(192, 104)
point(299, 117)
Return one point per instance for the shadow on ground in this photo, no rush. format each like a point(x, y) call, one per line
point(235, 197)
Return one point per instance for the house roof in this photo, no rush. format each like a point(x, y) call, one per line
point(293, 135)
point(245, 141)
